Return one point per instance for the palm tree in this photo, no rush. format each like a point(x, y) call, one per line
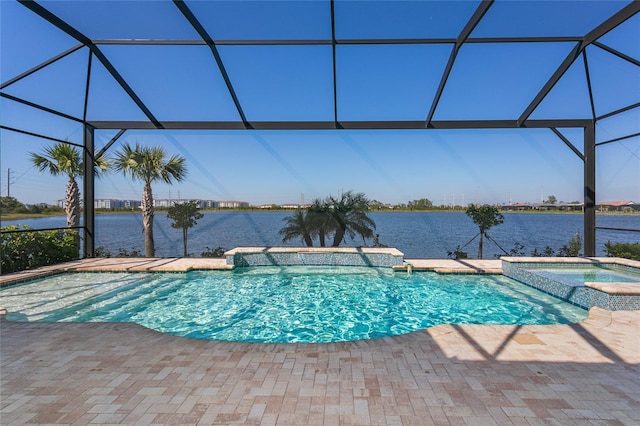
point(297, 226)
point(320, 220)
point(351, 216)
point(66, 159)
point(347, 215)
point(149, 165)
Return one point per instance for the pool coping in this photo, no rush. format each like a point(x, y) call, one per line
point(587, 260)
point(620, 288)
point(385, 257)
point(186, 264)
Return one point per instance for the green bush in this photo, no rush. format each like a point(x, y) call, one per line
point(216, 252)
point(27, 250)
point(9, 205)
point(102, 251)
point(625, 250)
point(457, 253)
point(572, 249)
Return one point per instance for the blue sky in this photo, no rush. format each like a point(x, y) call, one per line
point(375, 82)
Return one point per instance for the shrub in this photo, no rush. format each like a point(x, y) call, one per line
point(216, 252)
point(572, 249)
point(102, 251)
point(547, 252)
point(28, 250)
point(457, 253)
point(625, 250)
point(517, 250)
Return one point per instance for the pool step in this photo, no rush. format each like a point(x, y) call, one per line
point(451, 266)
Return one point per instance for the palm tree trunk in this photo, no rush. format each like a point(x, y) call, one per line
point(72, 208)
point(72, 203)
point(480, 246)
point(337, 238)
point(147, 221)
point(307, 240)
point(321, 237)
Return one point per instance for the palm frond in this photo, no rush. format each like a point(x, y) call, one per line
point(60, 158)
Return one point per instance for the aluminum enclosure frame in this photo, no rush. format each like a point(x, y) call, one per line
point(588, 155)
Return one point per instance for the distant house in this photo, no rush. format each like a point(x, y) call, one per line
point(543, 206)
point(570, 206)
point(518, 206)
point(618, 206)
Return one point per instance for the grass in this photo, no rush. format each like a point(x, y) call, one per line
point(16, 216)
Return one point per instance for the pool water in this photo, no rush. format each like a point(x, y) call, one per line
point(285, 304)
point(594, 274)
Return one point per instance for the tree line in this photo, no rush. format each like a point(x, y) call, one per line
point(10, 205)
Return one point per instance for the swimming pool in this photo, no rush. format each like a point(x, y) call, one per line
point(285, 304)
point(589, 273)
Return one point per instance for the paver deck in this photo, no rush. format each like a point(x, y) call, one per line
point(113, 373)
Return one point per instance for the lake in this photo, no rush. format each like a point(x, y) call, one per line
point(416, 234)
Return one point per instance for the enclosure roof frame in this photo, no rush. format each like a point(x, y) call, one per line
point(523, 120)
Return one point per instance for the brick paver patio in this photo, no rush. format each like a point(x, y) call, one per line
point(67, 373)
point(95, 373)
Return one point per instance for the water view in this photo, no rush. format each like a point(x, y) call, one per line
point(417, 235)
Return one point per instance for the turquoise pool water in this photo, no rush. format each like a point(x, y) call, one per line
point(588, 273)
point(285, 304)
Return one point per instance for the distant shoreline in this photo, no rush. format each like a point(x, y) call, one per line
point(18, 216)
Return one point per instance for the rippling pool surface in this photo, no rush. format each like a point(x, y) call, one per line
point(285, 304)
point(594, 274)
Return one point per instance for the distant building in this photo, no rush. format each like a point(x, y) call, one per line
point(170, 202)
point(518, 206)
point(207, 204)
point(232, 204)
point(132, 204)
point(110, 203)
point(116, 204)
point(543, 206)
point(164, 202)
point(570, 206)
point(618, 206)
